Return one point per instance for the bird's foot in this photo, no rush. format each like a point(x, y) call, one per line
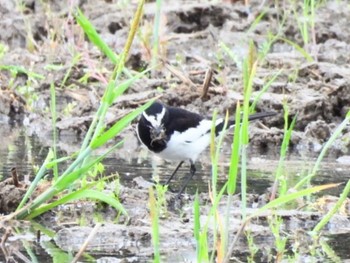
point(176, 203)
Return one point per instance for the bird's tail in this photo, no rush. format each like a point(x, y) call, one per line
point(260, 115)
point(231, 123)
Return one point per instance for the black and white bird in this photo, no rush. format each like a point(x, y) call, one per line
point(176, 134)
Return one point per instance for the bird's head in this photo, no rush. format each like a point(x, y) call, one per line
point(156, 116)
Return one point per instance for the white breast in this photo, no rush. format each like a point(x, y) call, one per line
point(188, 144)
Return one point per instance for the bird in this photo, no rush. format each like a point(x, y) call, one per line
point(176, 134)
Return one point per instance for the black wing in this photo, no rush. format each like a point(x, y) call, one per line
point(181, 120)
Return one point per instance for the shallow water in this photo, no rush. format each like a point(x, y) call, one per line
point(24, 152)
point(27, 153)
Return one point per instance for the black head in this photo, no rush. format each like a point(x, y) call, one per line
point(154, 109)
point(155, 118)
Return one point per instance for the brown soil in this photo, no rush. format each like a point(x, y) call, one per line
point(317, 92)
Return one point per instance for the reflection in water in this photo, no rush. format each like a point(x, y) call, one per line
point(20, 151)
point(26, 153)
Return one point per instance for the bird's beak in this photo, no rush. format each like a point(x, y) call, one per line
point(157, 133)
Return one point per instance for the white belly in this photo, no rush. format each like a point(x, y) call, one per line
point(179, 149)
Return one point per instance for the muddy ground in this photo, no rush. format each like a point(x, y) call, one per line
point(45, 35)
point(43, 39)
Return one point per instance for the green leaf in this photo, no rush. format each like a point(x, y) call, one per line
point(119, 90)
point(336, 207)
point(298, 48)
point(49, 165)
point(65, 181)
point(293, 196)
point(154, 213)
point(79, 195)
point(36, 180)
point(119, 126)
point(19, 69)
point(235, 154)
point(325, 148)
point(94, 37)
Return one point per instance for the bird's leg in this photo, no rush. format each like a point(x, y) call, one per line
point(175, 171)
point(192, 172)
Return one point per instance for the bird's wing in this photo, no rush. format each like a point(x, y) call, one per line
point(193, 132)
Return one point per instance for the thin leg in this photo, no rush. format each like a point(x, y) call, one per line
point(172, 175)
point(192, 172)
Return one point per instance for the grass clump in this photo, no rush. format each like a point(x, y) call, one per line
point(224, 242)
point(97, 136)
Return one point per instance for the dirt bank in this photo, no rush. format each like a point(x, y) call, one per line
point(191, 40)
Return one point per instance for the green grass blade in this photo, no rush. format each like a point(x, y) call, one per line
point(204, 233)
point(19, 69)
point(279, 178)
point(231, 54)
point(121, 88)
point(67, 179)
point(249, 70)
point(196, 221)
point(119, 126)
point(29, 250)
point(155, 49)
point(335, 209)
point(36, 180)
point(292, 196)
point(55, 252)
point(45, 230)
point(214, 207)
point(98, 120)
point(109, 96)
point(62, 183)
point(233, 172)
point(200, 236)
point(298, 48)
point(329, 252)
point(155, 225)
point(79, 195)
point(134, 26)
point(256, 22)
point(212, 136)
point(215, 150)
point(76, 163)
point(49, 165)
point(94, 37)
point(263, 90)
point(54, 129)
point(325, 148)
point(204, 252)
point(235, 154)
point(75, 60)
